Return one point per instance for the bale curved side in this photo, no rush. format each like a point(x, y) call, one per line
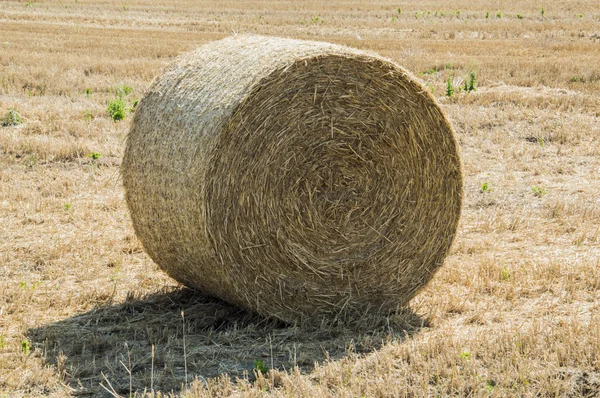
point(293, 178)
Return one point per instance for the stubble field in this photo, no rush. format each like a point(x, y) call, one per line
point(515, 311)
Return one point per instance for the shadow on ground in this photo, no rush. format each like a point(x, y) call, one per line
point(106, 344)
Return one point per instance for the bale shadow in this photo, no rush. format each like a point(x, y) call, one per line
point(139, 344)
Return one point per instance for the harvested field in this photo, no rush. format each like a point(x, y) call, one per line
point(514, 310)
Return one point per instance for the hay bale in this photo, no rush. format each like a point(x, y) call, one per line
point(297, 179)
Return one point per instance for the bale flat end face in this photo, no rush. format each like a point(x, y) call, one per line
point(297, 179)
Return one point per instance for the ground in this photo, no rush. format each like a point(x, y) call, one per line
point(513, 312)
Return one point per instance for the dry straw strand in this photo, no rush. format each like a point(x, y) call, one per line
point(298, 179)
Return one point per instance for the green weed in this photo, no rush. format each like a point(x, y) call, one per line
point(472, 86)
point(94, 155)
point(538, 191)
point(34, 285)
point(485, 187)
point(25, 346)
point(134, 105)
point(122, 90)
point(577, 79)
point(12, 118)
point(504, 274)
point(116, 109)
point(449, 88)
point(260, 366)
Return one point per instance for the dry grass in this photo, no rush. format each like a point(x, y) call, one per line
point(515, 310)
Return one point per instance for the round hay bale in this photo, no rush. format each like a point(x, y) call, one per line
point(297, 179)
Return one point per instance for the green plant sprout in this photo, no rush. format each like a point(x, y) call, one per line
point(538, 191)
point(472, 81)
point(260, 366)
point(449, 88)
point(12, 118)
point(25, 346)
point(94, 155)
point(116, 109)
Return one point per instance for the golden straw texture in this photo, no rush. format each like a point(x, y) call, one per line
point(297, 179)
